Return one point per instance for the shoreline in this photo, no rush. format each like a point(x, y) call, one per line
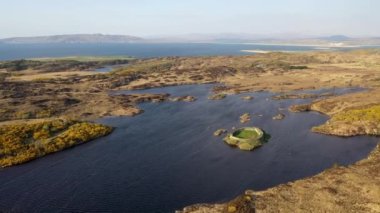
point(270, 51)
point(309, 45)
point(298, 195)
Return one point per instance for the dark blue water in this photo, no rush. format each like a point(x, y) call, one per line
point(139, 50)
point(167, 158)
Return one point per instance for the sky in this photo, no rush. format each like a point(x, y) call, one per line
point(150, 18)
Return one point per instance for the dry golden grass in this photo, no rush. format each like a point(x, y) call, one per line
point(36, 76)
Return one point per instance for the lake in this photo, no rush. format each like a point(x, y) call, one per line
point(139, 50)
point(167, 157)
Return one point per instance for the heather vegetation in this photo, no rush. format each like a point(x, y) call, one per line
point(3, 77)
point(299, 108)
point(359, 121)
point(371, 113)
point(295, 67)
point(147, 66)
point(56, 65)
point(21, 143)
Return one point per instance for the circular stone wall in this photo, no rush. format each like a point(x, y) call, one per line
point(246, 138)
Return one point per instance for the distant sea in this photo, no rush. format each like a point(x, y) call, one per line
point(138, 50)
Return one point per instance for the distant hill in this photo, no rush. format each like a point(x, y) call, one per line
point(285, 39)
point(337, 41)
point(336, 38)
point(327, 41)
point(75, 38)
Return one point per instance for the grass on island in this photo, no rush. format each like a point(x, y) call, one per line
point(246, 138)
point(246, 134)
point(21, 143)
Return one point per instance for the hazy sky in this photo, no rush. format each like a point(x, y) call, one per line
point(175, 17)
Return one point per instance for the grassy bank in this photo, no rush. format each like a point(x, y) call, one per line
point(359, 121)
point(21, 143)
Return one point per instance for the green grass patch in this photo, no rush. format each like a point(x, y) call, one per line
point(246, 134)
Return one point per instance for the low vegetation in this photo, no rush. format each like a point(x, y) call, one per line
point(85, 58)
point(219, 96)
point(300, 108)
point(295, 67)
point(56, 65)
point(301, 96)
point(21, 143)
point(145, 67)
point(371, 113)
point(361, 121)
point(3, 76)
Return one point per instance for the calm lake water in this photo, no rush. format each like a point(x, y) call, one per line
point(167, 158)
point(139, 50)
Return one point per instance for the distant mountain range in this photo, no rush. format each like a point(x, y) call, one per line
point(336, 38)
point(328, 41)
point(75, 38)
point(331, 41)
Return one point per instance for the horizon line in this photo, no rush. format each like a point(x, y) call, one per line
point(246, 35)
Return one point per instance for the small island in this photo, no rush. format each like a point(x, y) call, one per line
point(218, 96)
point(247, 138)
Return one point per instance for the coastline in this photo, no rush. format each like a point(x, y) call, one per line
point(331, 45)
point(270, 51)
